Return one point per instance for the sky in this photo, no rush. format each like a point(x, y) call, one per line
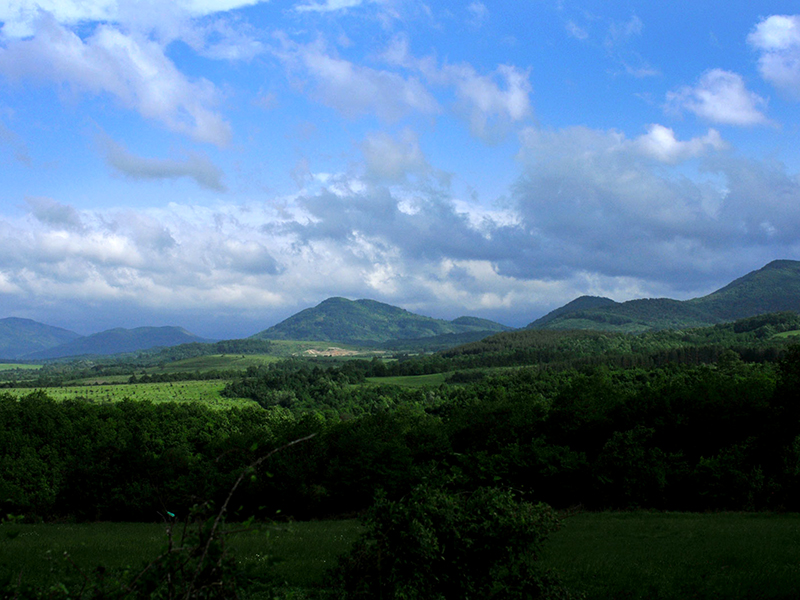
point(222, 164)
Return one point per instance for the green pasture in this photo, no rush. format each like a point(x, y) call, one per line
point(641, 555)
point(19, 366)
point(290, 554)
point(206, 392)
point(787, 334)
point(636, 555)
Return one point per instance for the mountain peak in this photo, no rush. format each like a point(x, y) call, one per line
point(365, 322)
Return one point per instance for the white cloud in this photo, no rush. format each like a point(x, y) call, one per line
point(55, 214)
point(778, 40)
point(720, 96)
point(329, 5)
point(660, 143)
point(355, 90)
point(489, 102)
point(196, 166)
point(576, 31)
point(132, 69)
point(390, 159)
point(20, 17)
point(478, 13)
point(589, 201)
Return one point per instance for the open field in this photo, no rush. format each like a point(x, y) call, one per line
point(206, 392)
point(24, 367)
point(413, 381)
point(788, 334)
point(640, 555)
point(636, 555)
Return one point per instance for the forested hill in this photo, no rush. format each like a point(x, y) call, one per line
point(19, 337)
point(118, 341)
point(368, 322)
point(773, 288)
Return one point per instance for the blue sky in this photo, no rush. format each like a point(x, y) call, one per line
point(222, 164)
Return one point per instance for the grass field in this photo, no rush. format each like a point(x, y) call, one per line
point(788, 334)
point(634, 556)
point(23, 367)
point(642, 555)
point(206, 392)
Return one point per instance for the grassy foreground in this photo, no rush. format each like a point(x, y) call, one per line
point(636, 555)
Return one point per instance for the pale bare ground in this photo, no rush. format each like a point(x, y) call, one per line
point(334, 351)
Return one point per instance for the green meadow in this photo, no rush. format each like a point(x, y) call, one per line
point(630, 555)
point(412, 381)
point(19, 366)
point(203, 391)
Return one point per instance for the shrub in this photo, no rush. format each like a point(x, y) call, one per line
point(435, 545)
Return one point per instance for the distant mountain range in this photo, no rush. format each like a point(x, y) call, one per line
point(368, 323)
point(20, 337)
point(29, 340)
point(774, 288)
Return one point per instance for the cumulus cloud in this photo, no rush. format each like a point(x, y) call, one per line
point(196, 166)
point(355, 90)
point(720, 96)
point(55, 214)
point(777, 38)
point(490, 102)
point(594, 212)
point(20, 16)
point(390, 159)
point(129, 67)
point(660, 143)
point(589, 201)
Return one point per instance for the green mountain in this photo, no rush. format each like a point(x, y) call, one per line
point(577, 305)
point(119, 341)
point(773, 288)
point(19, 337)
point(368, 323)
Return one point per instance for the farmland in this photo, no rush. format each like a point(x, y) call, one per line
point(206, 392)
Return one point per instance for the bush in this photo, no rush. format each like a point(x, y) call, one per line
point(435, 545)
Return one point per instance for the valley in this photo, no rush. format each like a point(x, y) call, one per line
point(595, 434)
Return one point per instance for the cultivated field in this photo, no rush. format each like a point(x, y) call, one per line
point(206, 392)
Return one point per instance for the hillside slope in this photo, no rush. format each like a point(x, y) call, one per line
point(773, 288)
point(368, 322)
point(19, 337)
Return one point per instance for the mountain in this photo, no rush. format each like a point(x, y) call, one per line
point(19, 337)
point(773, 288)
point(118, 341)
point(368, 323)
point(579, 304)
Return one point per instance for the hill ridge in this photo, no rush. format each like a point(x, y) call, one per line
point(772, 288)
point(368, 322)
